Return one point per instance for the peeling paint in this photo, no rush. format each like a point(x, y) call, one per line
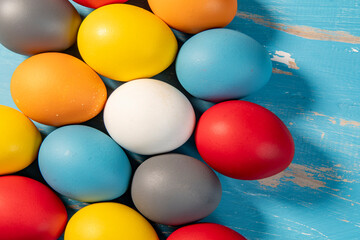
point(347, 181)
point(296, 173)
point(331, 119)
point(302, 31)
point(331, 174)
point(322, 135)
point(342, 198)
point(284, 57)
point(319, 114)
point(344, 122)
point(325, 169)
point(303, 176)
point(278, 71)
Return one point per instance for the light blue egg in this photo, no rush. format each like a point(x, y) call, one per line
point(84, 164)
point(222, 64)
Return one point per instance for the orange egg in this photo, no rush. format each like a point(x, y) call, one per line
point(57, 89)
point(192, 16)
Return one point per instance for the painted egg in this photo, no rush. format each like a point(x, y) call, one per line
point(29, 210)
point(98, 3)
point(20, 140)
point(195, 16)
point(84, 164)
point(148, 116)
point(230, 64)
point(125, 42)
point(31, 27)
point(175, 189)
point(57, 89)
point(205, 231)
point(243, 140)
point(110, 221)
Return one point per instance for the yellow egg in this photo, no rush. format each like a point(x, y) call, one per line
point(109, 221)
point(125, 42)
point(19, 141)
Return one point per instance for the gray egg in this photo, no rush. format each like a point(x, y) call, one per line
point(175, 189)
point(33, 26)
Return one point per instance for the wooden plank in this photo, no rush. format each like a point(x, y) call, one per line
point(315, 90)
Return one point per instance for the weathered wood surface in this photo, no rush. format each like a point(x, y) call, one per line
point(315, 90)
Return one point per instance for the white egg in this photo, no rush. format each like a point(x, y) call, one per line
point(148, 116)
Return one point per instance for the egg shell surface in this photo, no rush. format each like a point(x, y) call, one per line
point(110, 221)
point(148, 116)
point(191, 16)
point(29, 210)
point(84, 164)
point(20, 140)
point(98, 3)
point(124, 42)
point(205, 231)
point(222, 64)
point(244, 140)
point(57, 89)
point(175, 189)
point(31, 27)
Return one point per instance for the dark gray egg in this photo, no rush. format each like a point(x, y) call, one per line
point(175, 189)
point(33, 26)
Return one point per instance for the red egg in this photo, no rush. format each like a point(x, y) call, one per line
point(29, 210)
point(243, 140)
point(98, 3)
point(205, 231)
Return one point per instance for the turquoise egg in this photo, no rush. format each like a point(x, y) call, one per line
point(222, 64)
point(84, 164)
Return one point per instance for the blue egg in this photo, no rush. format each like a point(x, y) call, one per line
point(222, 64)
point(84, 164)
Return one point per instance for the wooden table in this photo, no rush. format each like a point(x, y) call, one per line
point(315, 90)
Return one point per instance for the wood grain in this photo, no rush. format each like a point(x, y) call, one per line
point(315, 90)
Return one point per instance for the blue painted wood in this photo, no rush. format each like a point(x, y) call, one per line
point(315, 90)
